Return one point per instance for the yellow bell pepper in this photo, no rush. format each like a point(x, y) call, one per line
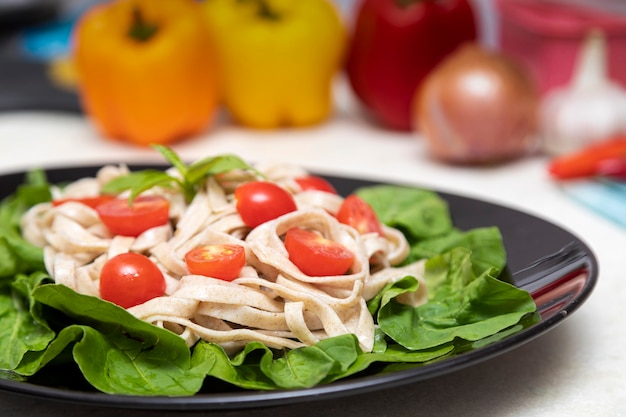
point(277, 59)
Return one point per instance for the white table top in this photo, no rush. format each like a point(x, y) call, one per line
point(577, 369)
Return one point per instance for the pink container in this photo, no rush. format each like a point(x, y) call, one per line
point(546, 37)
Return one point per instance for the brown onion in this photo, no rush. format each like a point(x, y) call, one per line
point(477, 107)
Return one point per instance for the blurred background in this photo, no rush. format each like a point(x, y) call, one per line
point(35, 40)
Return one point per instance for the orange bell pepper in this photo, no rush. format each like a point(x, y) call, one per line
point(145, 70)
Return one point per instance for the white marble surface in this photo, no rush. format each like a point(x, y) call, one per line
point(577, 369)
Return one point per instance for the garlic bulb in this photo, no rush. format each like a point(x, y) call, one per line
point(590, 109)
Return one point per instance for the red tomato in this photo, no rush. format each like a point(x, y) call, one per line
point(92, 202)
point(315, 255)
point(357, 213)
point(216, 261)
point(145, 213)
point(312, 182)
point(130, 279)
point(261, 201)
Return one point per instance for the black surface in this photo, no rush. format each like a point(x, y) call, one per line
point(548, 261)
point(25, 85)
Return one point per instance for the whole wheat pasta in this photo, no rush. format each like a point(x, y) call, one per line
point(272, 301)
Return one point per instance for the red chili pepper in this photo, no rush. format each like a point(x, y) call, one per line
point(587, 161)
point(396, 43)
point(614, 168)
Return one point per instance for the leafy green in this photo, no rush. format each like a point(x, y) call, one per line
point(22, 327)
point(116, 352)
point(460, 305)
point(424, 218)
point(485, 244)
point(257, 367)
point(421, 214)
point(189, 181)
point(16, 254)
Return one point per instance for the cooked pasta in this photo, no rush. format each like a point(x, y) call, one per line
point(271, 301)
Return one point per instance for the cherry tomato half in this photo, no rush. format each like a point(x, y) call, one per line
point(261, 201)
point(92, 202)
point(312, 182)
point(130, 279)
point(315, 255)
point(357, 213)
point(144, 213)
point(216, 261)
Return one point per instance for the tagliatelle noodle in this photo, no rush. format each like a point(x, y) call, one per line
point(271, 301)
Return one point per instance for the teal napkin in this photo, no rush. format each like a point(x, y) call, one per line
point(606, 198)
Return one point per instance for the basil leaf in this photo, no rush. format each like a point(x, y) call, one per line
point(199, 170)
point(191, 177)
point(171, 157)
point(138, 182)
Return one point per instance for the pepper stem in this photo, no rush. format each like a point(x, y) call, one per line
point(263, 9)
point(140, 29)
point(405, 3)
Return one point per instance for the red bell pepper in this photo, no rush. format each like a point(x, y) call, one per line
point(596, 159)
point(395, 44)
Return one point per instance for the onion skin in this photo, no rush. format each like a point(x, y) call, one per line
point(478, 107)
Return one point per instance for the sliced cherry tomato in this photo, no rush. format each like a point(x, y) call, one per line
point(216, 261)
point(315, 255)
point(312, 182)
point(130, 279)
point(261, 201)
point(144, 213)
point(92, 202)
point(357, 213)
point(584, 163)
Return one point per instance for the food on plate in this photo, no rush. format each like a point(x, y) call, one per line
point(476, 107)
point(304, 297)
point(130, 279)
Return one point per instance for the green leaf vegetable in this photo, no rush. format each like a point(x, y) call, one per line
point(190, 179)
point(42, 323)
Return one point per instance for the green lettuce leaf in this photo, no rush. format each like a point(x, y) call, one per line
point(460, 305)
point(420, 214)
point(485, 244)
point(22, 327)
point(16, 254)
point(116, 352)
point(258, 367)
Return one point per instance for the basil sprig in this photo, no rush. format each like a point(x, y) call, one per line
point(191, 177)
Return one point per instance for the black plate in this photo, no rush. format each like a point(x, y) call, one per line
point(555, 266)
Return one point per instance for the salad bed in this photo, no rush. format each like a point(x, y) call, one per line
point(43, 324)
